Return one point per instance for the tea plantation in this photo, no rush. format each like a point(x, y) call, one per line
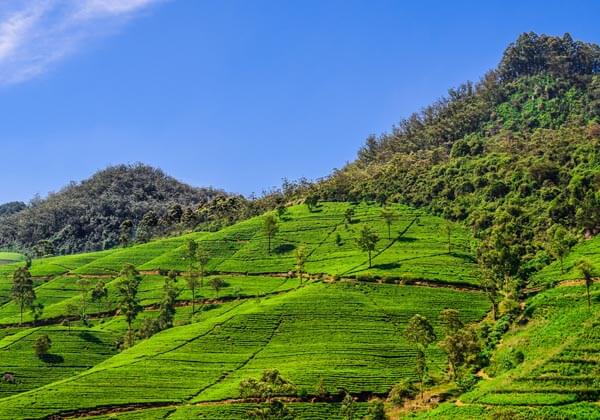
point(341, 329)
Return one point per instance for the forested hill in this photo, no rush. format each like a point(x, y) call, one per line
point(514, 155)
point(119, 204)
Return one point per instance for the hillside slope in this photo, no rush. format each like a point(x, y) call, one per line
point(88, 215)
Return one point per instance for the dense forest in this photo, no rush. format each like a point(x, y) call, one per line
point(120, 204)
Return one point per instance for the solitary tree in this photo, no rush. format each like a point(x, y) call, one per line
point(191, 258)
point(560, 241)
point(99, 293)
point(311, 202)
point(367, 241)
point(270, 229)
point(166, 312)
point(301, 256)
point(389, 215)
point(420, 333)
point(129, 304)
point(84, 286)
point(217, 284)
point(22, 290)
point(587, 271)
point(42, 345)
point(203, 257)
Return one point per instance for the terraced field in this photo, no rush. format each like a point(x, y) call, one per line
point(340, 326)
point(560, 374)
point(349, 334)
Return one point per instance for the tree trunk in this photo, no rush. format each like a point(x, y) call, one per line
point(369, 259)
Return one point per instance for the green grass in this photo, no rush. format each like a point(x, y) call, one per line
point(349, 334)
point(10, 257)
point(561, 366)
point(589, 250)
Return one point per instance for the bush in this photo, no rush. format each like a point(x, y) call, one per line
point(401, 392)
point(42, 345)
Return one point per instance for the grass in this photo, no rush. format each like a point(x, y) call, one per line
point(10, 257)
point(559, 377)
point(349, 334)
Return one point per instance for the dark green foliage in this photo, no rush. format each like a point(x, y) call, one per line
point(42, 345)
point(348, 407)
point(376, 410)
point(129, 303)
point(269, 385)
point(88, 215)
point(276, 410)
point(23, 292)
point(367, 240)
point(12, 208)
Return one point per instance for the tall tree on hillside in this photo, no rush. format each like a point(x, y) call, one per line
point(586, 269)
point(166, 312)
point(203, 257)
point(420, 333)
point(125, 233)
point(129, 303)
point(349, 214)
point(460, 342)
point(301, 256)
point(190, 256)
point(311, 202)
point(270, 229)
point(389, 216)
point(217, 284)
point(99, 292)
point(23, 292)
point(84, 285)
point(367, 240)
point(560, 241)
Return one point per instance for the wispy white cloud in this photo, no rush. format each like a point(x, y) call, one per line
point(36, 34)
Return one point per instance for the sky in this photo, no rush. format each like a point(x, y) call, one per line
point(235, 94)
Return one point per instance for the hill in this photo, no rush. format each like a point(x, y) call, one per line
point(257, 321)
point(88, 215)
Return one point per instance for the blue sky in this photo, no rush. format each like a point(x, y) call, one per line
point(235, 94)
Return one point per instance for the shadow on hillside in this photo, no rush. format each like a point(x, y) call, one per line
point(407, 239)
point(387, 266)
point(52, 359)
point(90, 338)
point(284, 248)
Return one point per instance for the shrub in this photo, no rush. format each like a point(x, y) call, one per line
point(401, 392)
point(42, 346)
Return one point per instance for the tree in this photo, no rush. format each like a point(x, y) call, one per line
point(276, 410)
point(420, 333)
point(311, 202)
point(349, 214)
point(128, 303)
point(84, 286)
point(71, 312)
point(586, 269)
point(376, 410)
point(146, 227)
point(203, 257)
point(560, 241)
point(389, 216)
point(42, 345)
point(125, 233)
point(348, 407)
point(301, 256)
point(367, 241)
point(166, 312)
point(460, 343)
point(190, 256)
point(270, 384)
point(217, 284)
point(23, 292)
point(448, 231)
point(99, 292)
point(270, 229)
